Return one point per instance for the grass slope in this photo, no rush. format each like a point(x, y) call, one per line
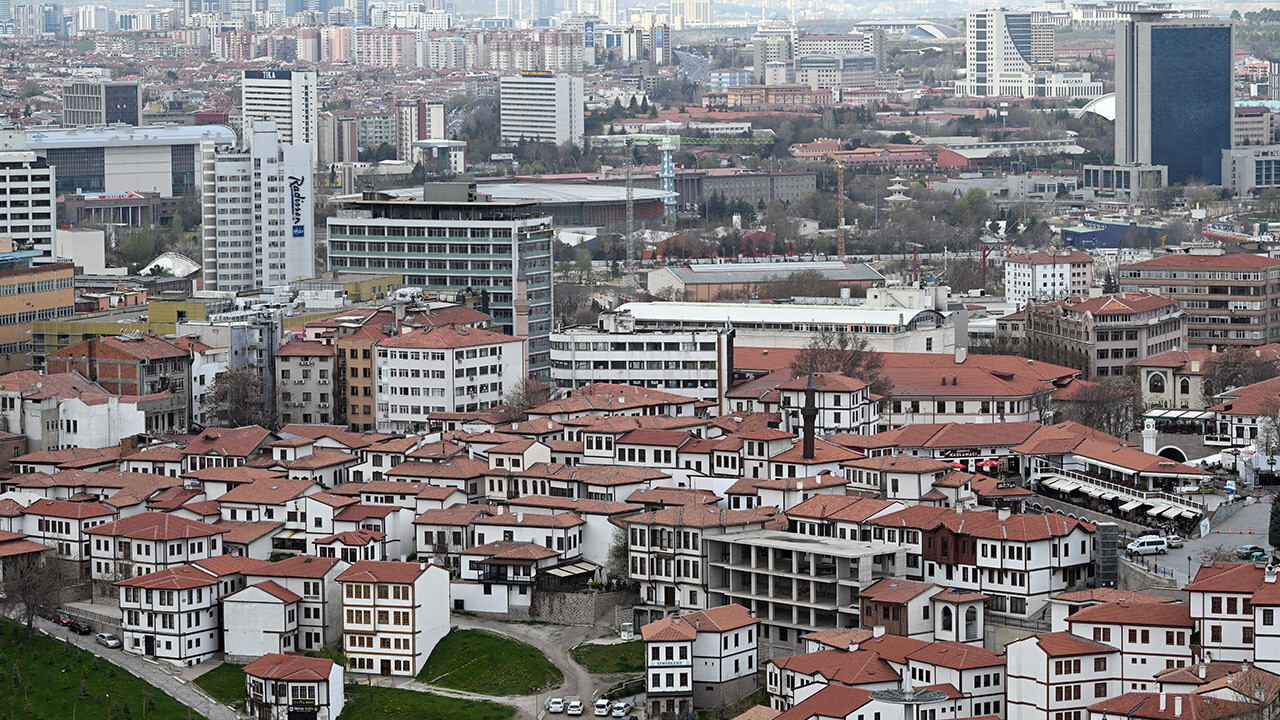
point(625, 657)
point(481, 662)
point(47, 683)
point(225, 683)
point(397, 704)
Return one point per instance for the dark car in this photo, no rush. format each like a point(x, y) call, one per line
point(61, 618)
point(1249, 552)
point(80, 628)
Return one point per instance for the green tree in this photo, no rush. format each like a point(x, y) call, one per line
point(1273, 534)
point(1109, 284)
point(238, 399)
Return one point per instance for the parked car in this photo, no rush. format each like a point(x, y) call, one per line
point(1250, 552)
point(80, 628)
point(602, 707)
point(1148, 545)
point(573, 706)
point(555, 705)
point(1174, 541)
point(108, 640)
point(621, 709)
point(60, 618)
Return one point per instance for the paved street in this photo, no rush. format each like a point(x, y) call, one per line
point(695, 67)
point(1255, 516)
point(164, 678)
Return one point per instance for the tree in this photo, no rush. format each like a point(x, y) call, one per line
point(30, 582)
point(842, 352)
point(1104, 406)
point(238, 399)
point(1273, 534)
point(1109, 284)
point(1235, 368)
point(616, 563)
point(526, 395)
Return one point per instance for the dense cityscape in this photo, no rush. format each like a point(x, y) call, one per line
point(686, 360)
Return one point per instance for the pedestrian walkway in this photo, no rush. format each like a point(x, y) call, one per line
point(165, 679)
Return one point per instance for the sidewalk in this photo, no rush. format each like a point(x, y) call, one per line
point(163, 678)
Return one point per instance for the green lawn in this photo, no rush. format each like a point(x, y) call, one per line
point(397, 704)
point(225, 683)
point(48, 683)
point(481, 662)
point(625, 657)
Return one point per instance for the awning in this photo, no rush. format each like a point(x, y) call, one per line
point(1109, 496)
point(1070, 486)
point(1130, 505)
point(1172, 512)
point(1093, 492)
point(1157, 510)
point(581, 567)
point(1190, 514)
point(1056, 483)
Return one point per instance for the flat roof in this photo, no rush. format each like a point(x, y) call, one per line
point(767, 313)
point(809, 543)
point(504, 193)
point(120, 135)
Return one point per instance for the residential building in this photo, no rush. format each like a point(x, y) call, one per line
point(1251, 126)
point(771, 42)
point(30, 224)
point(1227, 296)
point(1107, 332)
point(418, 120)
point(338, 140)
point(394, 613)
point(449, 368)
point(1151, 638)
point(1174, 94)
point(1058, 676)
point(385, 47)
point(1039, 277)
point(703, 659)
point(503, 247)
point(307, 375)
point(696, 363)
point(314, 581)
point(257, 204)
point(88, 101)
point(150, 541)
point(287, 98)
point(259, 619)
point(824, 72)
point(282, 686)
point(537, 106)
point(1221, 599)
point(132, 365)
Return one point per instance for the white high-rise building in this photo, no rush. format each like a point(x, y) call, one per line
point(25, 175)
point(257, 206)
point(1009, 54)
point(417, 120)
point(285, 97)
point(541, 107)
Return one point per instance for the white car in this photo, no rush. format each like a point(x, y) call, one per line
point(1148, 545)
point(555, 705)
point(573, 707)
point(621, 709)
point(108, 640)
point(1173, 541)
point(602, 707)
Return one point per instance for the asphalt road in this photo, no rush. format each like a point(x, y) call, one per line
point(695, 67)
point(1232, 533)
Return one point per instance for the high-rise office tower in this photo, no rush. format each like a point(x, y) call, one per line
point(690, 12)
point(1173, 94)
point(541, 107)
point(257, 206)
point(101, 102)
point(1002, 48)
point(773, 41)
point(417, 120)
point(31, 221)
point(285, 97)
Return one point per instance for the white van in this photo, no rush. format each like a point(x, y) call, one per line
point(1149, 545)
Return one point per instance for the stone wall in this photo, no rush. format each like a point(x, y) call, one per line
point(1093, 516)
point(580, 608)
point(1134, 577)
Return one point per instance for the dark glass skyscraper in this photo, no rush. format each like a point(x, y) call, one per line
point(1173, 95)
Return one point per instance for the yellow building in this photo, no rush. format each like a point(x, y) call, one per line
point(30, 295)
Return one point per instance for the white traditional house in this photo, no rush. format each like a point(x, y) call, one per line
point(64, 525)
point(172, 615)
point(394, 613)
point(315, 581)
point(499, 577)
point(1221, 598)
point(284, 687)
point(702, 659)
point(1057, 676)
point(260, 619)
point(1150, 638)
point(147, 542)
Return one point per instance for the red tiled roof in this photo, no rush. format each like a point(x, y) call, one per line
point(1229, 577)
point(245, 532)
point(895, 590)
point(671, 628)
point(267, 492)
point(1226, 261)
point(446, 337)
point(274, 590)
point(1176, 706)
point(839, 638)
point(305, 348)
point(182, 577)
point(859, 667)
point(506, 550)
point(297, 566)
point(959, 656)
point(832, 701)
point(1041, 258)
point(233, 442)
point(460, 515)
point(1160, 614)
point(1064, 644)
point(156, 526)
point(297, 668)
point(66, 509)
point(380, 571)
